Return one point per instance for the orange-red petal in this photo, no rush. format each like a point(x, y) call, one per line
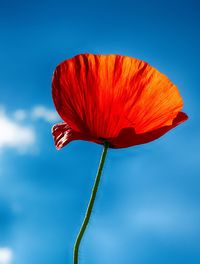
point(102, 95)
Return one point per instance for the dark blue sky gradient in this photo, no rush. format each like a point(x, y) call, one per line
point(147, 210)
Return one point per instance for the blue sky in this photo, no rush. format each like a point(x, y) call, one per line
point(147, 209)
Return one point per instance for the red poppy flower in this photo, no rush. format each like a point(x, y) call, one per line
point(113, 98)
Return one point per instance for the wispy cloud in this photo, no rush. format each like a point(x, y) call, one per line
point(6, 255)
point(174, 221)
point(38, 112)
point(105, 238)
point(44, 113)
point(14, 134)
point(20, 115)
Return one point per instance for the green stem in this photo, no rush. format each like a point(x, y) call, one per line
point(91, 203)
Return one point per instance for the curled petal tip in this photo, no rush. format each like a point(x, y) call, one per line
point(62, 135)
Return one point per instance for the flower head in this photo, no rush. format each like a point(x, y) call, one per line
point(113, 98)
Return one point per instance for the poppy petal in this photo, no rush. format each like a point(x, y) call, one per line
point(128, 137)
point(158, 103)
point(92, 93)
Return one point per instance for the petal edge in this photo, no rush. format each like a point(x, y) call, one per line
point(128, 137)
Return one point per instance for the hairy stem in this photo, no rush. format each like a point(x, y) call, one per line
point(91, 204)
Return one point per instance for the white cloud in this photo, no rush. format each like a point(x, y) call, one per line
point(15, 135)
point(14, 131)
point(48, 115)
point(6, 255)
